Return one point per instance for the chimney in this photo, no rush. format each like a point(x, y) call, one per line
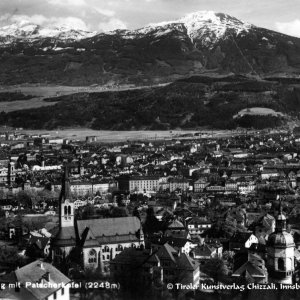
point(41, 265)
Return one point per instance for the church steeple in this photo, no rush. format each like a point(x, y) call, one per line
point(280, 220)
point(280, 252)
point(10, 172)
point(66, 207)
point(65, 192)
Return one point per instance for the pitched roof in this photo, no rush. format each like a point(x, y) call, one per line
point(111, 230)
point(204, 250)
point(241, 237)
point(34, 272)
point(167, 252)
point(40, 241)
point(187, 263)
point(66, 237)
point(251, 269)
point(176, 224)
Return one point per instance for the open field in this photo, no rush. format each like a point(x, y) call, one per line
point(8, 106)
point(258, 111)
point(109, 136)
point(46, 91)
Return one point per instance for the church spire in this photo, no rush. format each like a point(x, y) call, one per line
point(65, 192)
point(65, 207)
point(281, 219)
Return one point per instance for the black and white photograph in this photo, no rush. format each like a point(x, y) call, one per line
point(149, 149)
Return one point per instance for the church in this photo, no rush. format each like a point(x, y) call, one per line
point(273, 261)
point(100, 239)
point(281, 253)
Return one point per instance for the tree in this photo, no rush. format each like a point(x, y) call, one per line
point(228, 255)
point(118, 212)
point(151, 224)
point(88, 212)
point(216, 268)
point(24, 199)
point(136, 213)
point(229, 227)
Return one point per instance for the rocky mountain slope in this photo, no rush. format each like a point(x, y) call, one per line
point(202, 42)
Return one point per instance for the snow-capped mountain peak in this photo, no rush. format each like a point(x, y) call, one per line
point(203, 22)
point(206, 27)
point(34, 31)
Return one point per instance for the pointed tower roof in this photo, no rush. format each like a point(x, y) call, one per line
point(65, 192)
point(280, 237)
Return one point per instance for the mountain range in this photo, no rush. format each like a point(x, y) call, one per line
point(220, 72)
point(201, 42)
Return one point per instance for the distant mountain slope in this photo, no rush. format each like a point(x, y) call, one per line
point(189, 103)
point(197, 43)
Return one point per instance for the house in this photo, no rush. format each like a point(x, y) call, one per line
point(200, 184)
point(263, 226)
point(38, 245)
point(178, 183)
point(231, 185)
point(180, 244)
point(242, 241)
point(176, 229)
point(205, 252)
point(36, 281)
point(143, 184)
point(253, 270)
point(197, 225)
point(143, 262)
point(269, 173)
point(177, 266)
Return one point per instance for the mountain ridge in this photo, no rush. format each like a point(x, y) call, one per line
point(33, 30)
point(198, 43)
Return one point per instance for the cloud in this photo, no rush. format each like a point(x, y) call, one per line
point(290, 28)
point(105, 12)
point(111, 24)
point(67, 2)
point(68, 22)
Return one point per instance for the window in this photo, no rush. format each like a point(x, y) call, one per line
point(107, 256)
point(65, 210)
point(92, 257)
point(69, 209)
point(280, 264)
point(54, 296)
point(62, 291)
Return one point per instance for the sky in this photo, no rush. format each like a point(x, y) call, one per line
point(106, 15)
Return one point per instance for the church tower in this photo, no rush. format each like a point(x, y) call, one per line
point(80, 166)
point(66, 206)
point(65, 240)
point(11, 172)
point(281, 252)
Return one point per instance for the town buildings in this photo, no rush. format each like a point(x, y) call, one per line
point(172, 210)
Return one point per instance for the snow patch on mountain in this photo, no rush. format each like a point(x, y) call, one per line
point(34, 31)
point(206, 27)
